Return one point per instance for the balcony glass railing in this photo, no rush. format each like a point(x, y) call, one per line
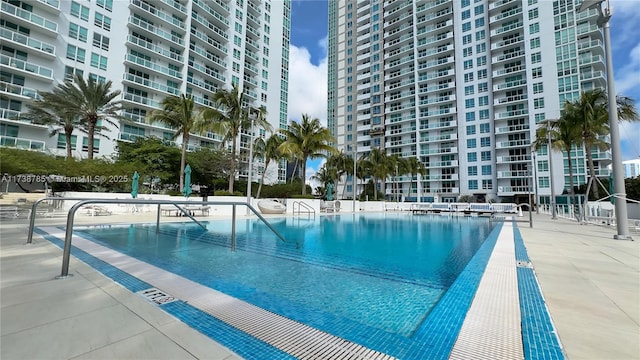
point(29, 16)
point(20, 143)
point(19, 90)
point(151, 84)
point(156, 49)
point(140, 100)
point(53, 3)
point(213, 58)
point(202, 36)
point(27, 41)
point(155, 30)
point(208, 9)
point(153, 66)
point(202, 20)
point(159, 14)
point(26, 66)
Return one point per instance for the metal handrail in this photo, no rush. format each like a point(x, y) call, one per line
point(72, 211)
point(310, 210)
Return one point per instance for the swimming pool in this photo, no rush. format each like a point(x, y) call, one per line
point(348, 275)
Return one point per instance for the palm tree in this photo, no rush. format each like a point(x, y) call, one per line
point(592, 116)
point(342, 164)
point(233, 116)
point(180, 113)
point(307, 139)
point(91, 101)
point(413, 166)
point(379, 167)
point(270, 150)
point(47, 111)
point(565, 136)
point(326, 175)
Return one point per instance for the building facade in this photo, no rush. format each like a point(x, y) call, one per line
point(631, 168)
point(149, 49)
point(462, 86)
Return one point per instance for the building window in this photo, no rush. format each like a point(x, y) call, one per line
point(543, 182)
point(470, 116)
point(105, 4)
point(78, 32)
point(62, 141)
point(533, 14)
point(472, 170)
point(483, 101)
point(473, 184)
point(485, 141)
point(469, 103)
point(472, 157)
point(482, 74)
point(483, 87)
point(98, 61)
point(102, 21)
point(468, 64)
point(481, 60)
point(100, 41)
point(85, 145)
point(485, 155)
point(98, 78)
point(486, 169)
point(538, 88)
point(478, 10)
point(467, 51)
point(471, 143)
point(485, 128)
point(536, 73)
point(468, 77)
point(487, 184)
point(484, 114)
point(75, 53)
point(538, 103)
point(480, 35)
point(70, 73)
point(79, 11)
point(534, 28)
point(536, 58)
point(466, 14)
point(467, 27)
point(468, 90)
point(480, 48)
point(471, 129)
point(535, 43)
point(479, 22)
point(466, 39)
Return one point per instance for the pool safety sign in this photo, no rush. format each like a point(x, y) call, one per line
point(156, 296)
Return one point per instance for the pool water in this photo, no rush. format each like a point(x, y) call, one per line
point(343, 274)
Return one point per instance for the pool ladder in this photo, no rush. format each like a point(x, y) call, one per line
point(86, 201)
point(303, 208)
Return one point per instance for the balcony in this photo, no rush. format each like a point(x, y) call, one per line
point(209, 56)
point(150, 84)
point(513, 144)
point(508, 56)
point(167, 18)
point(513, 159)
point(176, 5)
point(507, 29)
point(514, 174)
point(152, 66)
point(155, 49)
point(439, 151)
point(206, 70)
point(216, 44)
point(21, 143)
point(510, 84)
point(52, 6)
point(50, 27)
point(511, 190)
point(28, 42)
point(155, 30)
point(27, 68)
point(216, 30)
point(509, 70)
point(509, 99)
point(202, 84)
point(438, 125)
point(505, 15)
point(216, 15)
point(141, 100)
point(512, 129)
point(18, 91)
point(510, 114)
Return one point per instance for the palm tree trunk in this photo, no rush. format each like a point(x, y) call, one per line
point(304, 175)
point(67, 138)
point(571, 190)
point(592, 170)
point(183, 159)
point(266, 166)
point(293, 173)
point(375, 189)
point(232, 176)
point(91, 128)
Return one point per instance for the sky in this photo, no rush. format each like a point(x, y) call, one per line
point(308, 65)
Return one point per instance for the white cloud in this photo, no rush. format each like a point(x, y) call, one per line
point(307, 85)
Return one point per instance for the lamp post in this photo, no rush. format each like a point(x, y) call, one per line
point(355, 177)
point(535, 180)
point(552, 198)
point(252, 116)
point(604, 15)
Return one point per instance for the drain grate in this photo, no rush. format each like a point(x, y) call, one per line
point(156, 296)
point(524, 264)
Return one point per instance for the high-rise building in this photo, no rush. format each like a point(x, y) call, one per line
point(149, 49)
point(462, 86)
point(631, 168)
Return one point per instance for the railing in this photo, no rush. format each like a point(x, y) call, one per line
point(309, 209)
point(86, 201)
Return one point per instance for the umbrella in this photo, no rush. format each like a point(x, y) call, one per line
point(329, 192)
point(186, 190)
point(134, 185)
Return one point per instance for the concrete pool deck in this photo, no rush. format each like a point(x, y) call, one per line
point(591, 284)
